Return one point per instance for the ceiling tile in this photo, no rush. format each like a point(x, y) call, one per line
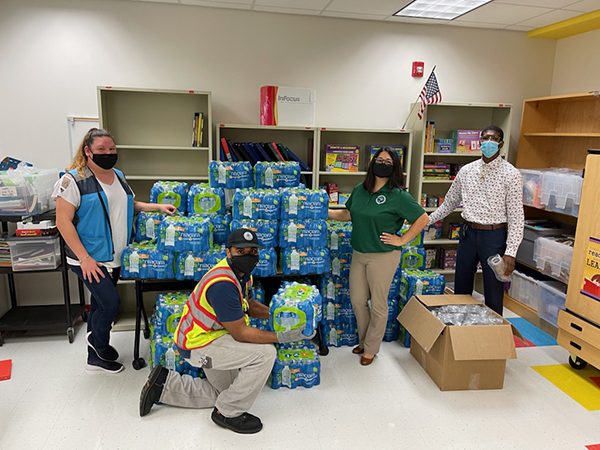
point(353, 16)
point(308, 12)
point(584, 6)
point(379, 7)
point(549, 18)
point(519, 28)
point(295, 4)
point(504, 14)
point(540, 3)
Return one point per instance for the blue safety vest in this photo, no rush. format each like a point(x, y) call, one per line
point(92, 220)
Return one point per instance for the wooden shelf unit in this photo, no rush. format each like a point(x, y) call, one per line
point(448, 117)
point(153, 132)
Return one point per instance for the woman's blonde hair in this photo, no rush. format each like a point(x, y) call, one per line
point(80, 160)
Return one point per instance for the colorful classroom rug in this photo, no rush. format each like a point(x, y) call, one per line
point(532, 334)
point(577, 384)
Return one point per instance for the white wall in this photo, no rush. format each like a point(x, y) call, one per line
point(53, 54)
point(577, 65)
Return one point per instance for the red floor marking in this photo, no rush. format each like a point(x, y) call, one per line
point(593, 447)
point(526, 343)
point(596, 380)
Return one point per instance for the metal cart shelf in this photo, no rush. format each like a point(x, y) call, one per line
point(43, 317)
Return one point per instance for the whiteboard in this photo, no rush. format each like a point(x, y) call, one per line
point(77, 128)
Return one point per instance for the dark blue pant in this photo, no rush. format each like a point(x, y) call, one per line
point(104, 307)
point(477, 246)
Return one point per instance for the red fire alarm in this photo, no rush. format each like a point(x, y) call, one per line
point(418, 68)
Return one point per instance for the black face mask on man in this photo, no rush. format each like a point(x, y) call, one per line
point(244, 263)
point(382, 170)
point(105, 161)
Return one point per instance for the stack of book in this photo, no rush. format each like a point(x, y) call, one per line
point(436, 171)
point(429, 136)
point(4, 252)
point(197, 126)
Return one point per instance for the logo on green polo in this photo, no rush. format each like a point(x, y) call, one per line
point(380, 200)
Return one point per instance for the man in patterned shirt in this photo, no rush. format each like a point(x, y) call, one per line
point(491, 192)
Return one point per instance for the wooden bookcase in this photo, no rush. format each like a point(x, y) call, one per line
point(448, 117)
point(557, 131)
point(153, 132)
point(346, 181)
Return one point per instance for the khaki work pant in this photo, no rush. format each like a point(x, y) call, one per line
point(371, 275)
point(235, 374)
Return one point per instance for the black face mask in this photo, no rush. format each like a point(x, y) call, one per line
point(382, 170)
point(105, 161)
point(244, 263)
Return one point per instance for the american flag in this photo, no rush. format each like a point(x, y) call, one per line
point(430, 94)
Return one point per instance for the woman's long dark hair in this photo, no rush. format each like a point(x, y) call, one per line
point(397, 177)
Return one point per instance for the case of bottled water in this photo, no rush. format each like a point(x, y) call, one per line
point(302, 233)
point(413, 258)
point(146, 225)
point(338, 236)
point(256, 204)
point(296, 366)
point(193, 266)
point(293, 305)
point(276, 174)
point(181, 234)
point(267, 263)
point(204, 200)
point(230, 175)
point(340, 263)
point(143, 260)
point(305, 261)
point(266, 230)
point(420, 282)
point(304, 204)
point(171, 193)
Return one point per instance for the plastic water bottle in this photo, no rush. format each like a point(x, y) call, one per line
point(286, 376)
point(292, 229)
point(150, 228)
point(335, 266)
point(295, 260)
point(134, 262)
point(248, 206)
point(330, 290)
point(269, 177)
point(170, 358)
point(222, 174)
point(334, 240)
point(419, 287)
point(170, 236)
point(333, 337)
point(293, 205)
point(189, 266)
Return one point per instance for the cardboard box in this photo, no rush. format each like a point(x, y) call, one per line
point(341, 158)
point(287, 106)
point(332, 191)
point(457, 357)
point(466, 141)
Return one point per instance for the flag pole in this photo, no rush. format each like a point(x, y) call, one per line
point(415, 104)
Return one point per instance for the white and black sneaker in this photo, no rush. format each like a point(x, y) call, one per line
point(104, 366)
point(109, 354)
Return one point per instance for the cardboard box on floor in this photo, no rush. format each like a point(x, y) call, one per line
point(457, 357)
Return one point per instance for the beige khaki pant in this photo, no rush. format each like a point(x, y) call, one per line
point(371, 275)
point(235, 372)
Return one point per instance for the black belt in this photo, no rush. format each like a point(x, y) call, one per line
point(479, 226)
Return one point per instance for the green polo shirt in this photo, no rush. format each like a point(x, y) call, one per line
point(372, 214)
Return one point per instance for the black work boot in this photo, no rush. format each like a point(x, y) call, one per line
point(153, 388)
point(244, 423)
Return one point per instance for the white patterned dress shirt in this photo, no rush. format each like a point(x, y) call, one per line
point(490, 194)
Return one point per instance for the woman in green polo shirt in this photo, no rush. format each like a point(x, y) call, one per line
point(377, 208)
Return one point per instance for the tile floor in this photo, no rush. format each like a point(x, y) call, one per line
point(52, 402)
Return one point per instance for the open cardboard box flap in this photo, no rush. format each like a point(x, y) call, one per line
point(440, 300)
point(482, 342)
point(423, 326)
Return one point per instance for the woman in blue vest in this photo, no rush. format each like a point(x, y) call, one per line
point(94, 213)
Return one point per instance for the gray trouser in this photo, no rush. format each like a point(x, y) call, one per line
point(371, 275)
point(235, 374)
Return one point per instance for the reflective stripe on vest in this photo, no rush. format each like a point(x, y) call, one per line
point(199, 325)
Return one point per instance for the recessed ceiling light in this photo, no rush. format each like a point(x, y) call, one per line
point(440, 9)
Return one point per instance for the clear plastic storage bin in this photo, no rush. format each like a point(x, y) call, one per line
point(27, 194)
point(561, 191)
point(35, 253)
point(525, 290)
point(532, 187)
point(552, 299)
point(553, 257)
